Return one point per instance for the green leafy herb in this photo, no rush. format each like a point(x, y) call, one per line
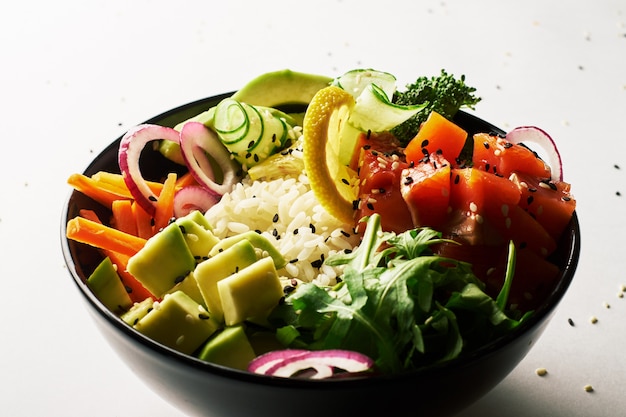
point(397, 302)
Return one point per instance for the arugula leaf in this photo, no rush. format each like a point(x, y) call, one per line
point(398, 303)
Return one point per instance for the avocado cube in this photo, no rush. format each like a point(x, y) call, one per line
point(189, 286)
point(106, 284)
point(178, 322)
point(265, 247)
point(198, 234)
point(137, 311)
point(230, 347)
point(163, 261)
point(223, 264)
point(250, 294)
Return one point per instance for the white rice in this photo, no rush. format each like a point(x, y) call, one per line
point(286, 211)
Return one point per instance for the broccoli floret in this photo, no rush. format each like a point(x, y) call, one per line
point(444, 93)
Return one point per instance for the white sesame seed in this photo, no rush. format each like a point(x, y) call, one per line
point(541, 371)
point(593, 319)
point(395, 165)
point(180, 340)
point(473, 207)
point(607, 305)
point(544, 185)
point(588, 388)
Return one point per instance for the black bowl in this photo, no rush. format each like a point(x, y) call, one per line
point(201, 388)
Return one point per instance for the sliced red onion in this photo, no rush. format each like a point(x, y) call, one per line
point(313, 364)
point(540, 137)
point(193, 197)
point(196, 141)
point(131, 145)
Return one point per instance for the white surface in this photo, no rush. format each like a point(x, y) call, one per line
point(75, 75)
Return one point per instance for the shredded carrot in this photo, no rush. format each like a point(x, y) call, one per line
point(117, 180)
point(135, 289)
point(123, 218)
point(143, 221)
point(101, 236)
point(89, 215)
point(165, 203)
point(185, 180)
point(103, 194)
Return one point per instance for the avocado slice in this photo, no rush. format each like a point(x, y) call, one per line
point(163, 261)
point(198, 234)
point(230, 348)
point(280, 88)
point(250, 294)
point(262, 243)
point(178, 322)
point(106, 284)
point(219, 266)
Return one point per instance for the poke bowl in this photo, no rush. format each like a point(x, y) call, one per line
point(198, 386)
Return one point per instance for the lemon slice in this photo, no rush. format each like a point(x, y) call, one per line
point(334, 184)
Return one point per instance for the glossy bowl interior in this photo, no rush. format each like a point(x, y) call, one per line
point(200, 388)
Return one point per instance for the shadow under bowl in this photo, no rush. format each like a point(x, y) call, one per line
point(200, 388)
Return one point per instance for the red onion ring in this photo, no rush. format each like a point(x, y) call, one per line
point(131, 145)
point(540, 137)
point(291, 362)
point(193, 197)
point(196, 141)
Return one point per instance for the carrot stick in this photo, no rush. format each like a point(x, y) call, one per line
point(135, 289)
point(185, 180)
point(143, 221)
point(89, 215)
point(117, 180)
point(104, 237)
point(123, 218)
point(104, 195)
point(165, 203)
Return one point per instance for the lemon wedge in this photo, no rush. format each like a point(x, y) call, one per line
point(334, 184)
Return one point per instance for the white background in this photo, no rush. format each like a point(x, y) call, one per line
point(74, 75)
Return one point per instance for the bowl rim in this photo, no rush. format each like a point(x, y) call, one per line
point(553, 299)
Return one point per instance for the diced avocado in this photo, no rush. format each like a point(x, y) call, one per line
point(108, 287)
point(163, 261)
point(189, 286)
point(221, 265)
point(250, 294)
point(137, 311)
point(197, 233)
point(258, 241)
point(282, 87)
point(230, 347)
point(178, 322)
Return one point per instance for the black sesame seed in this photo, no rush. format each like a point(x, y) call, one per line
point(274, 232)
point(530, 200)
point(425, 151)
point(248, 155)
point(355, 204)
point(152, 198)
point(408, 180)
point(256, 157)
point(203, 316)
point(507, 145)
point(275, 218)
point(180, 279)
point(571, 322)
point(251, 144)
point(317, 263)
point(370, 206)
point(487, 166)
point(457, 179)
point(287, 289)
point(296, 231)
point(128, 289)
point(136, 321)
point(182, 229)
point(312, 227)
point(486, 145)
point(346, 234)
point(381, 191)
point(293, 261)
point(566, 198)
point(424, 143)
point(345, 181)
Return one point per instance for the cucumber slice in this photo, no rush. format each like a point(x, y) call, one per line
point(356, 81)
point(374, 111)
